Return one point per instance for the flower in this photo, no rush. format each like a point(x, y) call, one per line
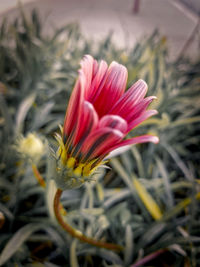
point(99, 116)
point(31, 147)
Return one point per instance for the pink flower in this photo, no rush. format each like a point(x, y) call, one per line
point(100, 114)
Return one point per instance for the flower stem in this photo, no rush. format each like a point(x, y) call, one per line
point(77, 234)
point(42, 183)
point(38, 176)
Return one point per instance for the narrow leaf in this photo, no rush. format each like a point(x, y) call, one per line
point(23, 110)
point(17, 240)
point(147, 199)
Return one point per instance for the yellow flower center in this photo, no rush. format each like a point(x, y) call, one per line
point(81, 169)
point(78, 169)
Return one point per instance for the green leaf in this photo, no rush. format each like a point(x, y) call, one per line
point(148, 200)
point(73, 255)
point(23, 110)
point(17, 240)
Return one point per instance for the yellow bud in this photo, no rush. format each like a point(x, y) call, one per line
point(31, 146)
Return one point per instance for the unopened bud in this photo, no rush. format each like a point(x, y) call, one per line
point(31, 147)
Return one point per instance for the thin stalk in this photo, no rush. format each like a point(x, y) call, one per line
point(42, 183)
point(76, 233)
point(38, 176)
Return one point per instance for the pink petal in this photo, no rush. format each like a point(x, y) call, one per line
point(111, 89)
point(113, 121)
point(138, 109)
point(97, 81)
point(81, 89)
point(118, 151)
point(99, 141)
point(134, 140)
point(134, 94)
point(73, 109)
point(145, 115)
point(88, 120)
point(87, 67)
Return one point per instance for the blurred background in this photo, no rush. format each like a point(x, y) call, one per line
point(148, 200)
point(127, 20)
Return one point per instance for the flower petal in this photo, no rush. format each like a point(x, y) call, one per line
point(111, 89)
point(88, 120)
point(88, 68)
point(127, 144)
point(97, 81)
point(113, 121)
point(134, 94)
point(80, 91)
point(138, 109)
point(73, 109)
point(145, 115)
point(99, 141)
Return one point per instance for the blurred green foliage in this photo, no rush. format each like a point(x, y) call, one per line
point(37, 74)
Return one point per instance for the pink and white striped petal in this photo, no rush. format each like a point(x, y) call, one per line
point(87, 67)
point(126, 144)
point(145, 115)
point(129, 99)
point(99, 141)
point(97, 81)
point(111, 89)
point(87, 122)
point(73, 109)
point(113, 121)
point(137, 110)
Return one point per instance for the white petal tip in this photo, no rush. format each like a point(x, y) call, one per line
point(155, 140)
point(142, 81)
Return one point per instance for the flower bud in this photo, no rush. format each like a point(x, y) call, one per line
point(31, 147)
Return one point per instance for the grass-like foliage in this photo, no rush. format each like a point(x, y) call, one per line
point(148, 201)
